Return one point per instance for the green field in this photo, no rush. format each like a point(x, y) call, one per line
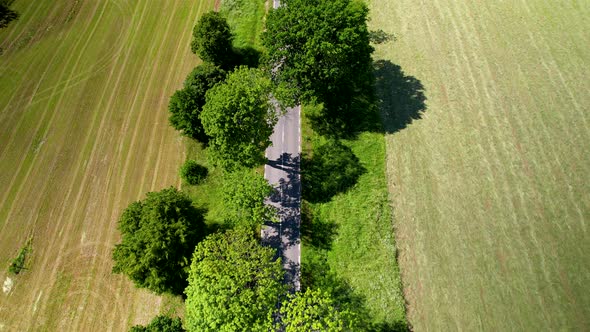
point(84, 88)
point(490, 174)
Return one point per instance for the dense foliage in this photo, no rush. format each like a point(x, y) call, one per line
point(244, 194)
point(234, 284)
point(319, 49)
point(239, 118)
point(192, 172)
point(212, 40)
point(159, 235)
point(314, 310)
point(186, 104)
point(160, 324)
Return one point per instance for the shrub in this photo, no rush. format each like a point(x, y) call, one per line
point(18, 263)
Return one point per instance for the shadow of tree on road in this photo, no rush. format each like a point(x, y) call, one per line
point(287, 199)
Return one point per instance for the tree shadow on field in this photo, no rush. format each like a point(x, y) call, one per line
point(401, 97)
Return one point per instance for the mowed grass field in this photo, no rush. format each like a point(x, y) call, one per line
point(84, 88)
point(491, 187)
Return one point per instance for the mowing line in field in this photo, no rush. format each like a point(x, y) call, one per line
point(72, 184)
point(110, 112)
point(514, 176)
point(47, 126)
point(109, 235)
point(498, 155)
point(26, 77)
point(98, 65)
point(164, 98)
point(16, 25)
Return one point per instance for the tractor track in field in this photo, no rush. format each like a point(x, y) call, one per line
point(121, 154)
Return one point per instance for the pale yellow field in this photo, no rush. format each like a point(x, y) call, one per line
point(84, 87)
point(491, 187)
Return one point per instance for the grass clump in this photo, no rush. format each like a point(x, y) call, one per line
point(19, 262)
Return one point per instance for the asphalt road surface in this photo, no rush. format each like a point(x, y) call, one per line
point(282, 171)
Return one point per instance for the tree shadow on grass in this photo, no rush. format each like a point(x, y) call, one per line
point(317, 274)
point(333, 169)
point(247, 56)
point(401, 97)
point(316, 232)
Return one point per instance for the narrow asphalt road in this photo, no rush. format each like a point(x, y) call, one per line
point(282, 171)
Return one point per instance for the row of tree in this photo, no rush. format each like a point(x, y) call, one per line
point(224, 103)
point(314, 52)
point(231, 282)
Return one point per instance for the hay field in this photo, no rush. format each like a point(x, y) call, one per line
point(84, 87)
point(490, 173)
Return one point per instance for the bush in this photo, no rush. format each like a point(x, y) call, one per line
point(18, 264)
point(160, 324)
point(158, 235)
point(193, 173)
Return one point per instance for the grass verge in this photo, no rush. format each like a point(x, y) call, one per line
point(348, 242)
point(245, 18)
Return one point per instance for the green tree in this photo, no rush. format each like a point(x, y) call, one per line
point(7, 15)
point(239, 118)
point(159, 234)
point(160, 324)
point(212, 40)
point(244, 194)
point(186, 104)
point(314, 310)
point(318, 48)
point(234, 284)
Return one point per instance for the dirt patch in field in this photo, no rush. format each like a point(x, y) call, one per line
point(7, 286)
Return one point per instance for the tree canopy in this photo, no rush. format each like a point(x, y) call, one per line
point(160, 324)
point(159, 235)
point(186, 104)
point(314, 310)
point(212, 40)
point(318, 48)
point(244, 194)
point(234, 284)
point(239, 118)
